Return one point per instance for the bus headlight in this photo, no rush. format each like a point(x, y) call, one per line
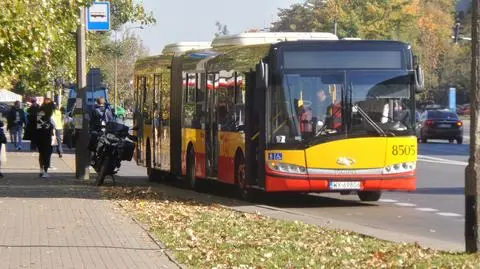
point(287, 168)
point(400, 168)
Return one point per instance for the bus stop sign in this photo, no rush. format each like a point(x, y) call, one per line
point(98, 16)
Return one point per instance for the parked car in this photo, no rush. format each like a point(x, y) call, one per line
point(464, 110)
point(440, 124)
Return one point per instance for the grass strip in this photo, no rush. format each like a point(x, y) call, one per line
point(210, 236)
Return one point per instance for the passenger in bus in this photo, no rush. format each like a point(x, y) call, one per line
point(323, 105)
point(319, 113)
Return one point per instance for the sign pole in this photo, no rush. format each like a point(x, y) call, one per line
point(82, 155)
point(452, 100)
point(472, 174)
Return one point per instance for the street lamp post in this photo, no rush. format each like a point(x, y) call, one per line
point(115, 83)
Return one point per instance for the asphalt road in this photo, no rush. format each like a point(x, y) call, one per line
point(433, 215)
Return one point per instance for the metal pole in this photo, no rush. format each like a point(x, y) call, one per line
point(82, 155)
point(472, 173)
point(115, 92)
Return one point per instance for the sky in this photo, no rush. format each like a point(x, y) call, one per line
point(193, 20)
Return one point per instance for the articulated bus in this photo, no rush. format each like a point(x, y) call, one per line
point(282, 112)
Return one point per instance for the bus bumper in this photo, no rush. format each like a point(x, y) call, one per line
point(282, 183)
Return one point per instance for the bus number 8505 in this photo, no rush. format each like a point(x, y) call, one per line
point(401, 150)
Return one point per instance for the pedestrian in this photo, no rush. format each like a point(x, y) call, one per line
point(43, 133)
point(15, 122)
point(58, 127)
point(101, 115)
point(31, 127)
point(3, 140)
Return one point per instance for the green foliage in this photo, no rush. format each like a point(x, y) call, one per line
point(128, 49)
point(222, 29)
point(37, 38)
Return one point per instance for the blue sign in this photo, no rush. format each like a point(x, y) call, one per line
point(453, 100)
point(98, 16)
point(275, 156)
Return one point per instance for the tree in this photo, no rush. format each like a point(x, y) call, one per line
point(37, 38)
point(298, 18)
point(222, 29)
point(128, 50)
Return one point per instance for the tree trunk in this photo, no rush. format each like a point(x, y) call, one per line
point(472, 174)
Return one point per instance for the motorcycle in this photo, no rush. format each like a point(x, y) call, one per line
point(112, 145)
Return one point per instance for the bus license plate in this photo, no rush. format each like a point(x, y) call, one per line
point(345, 185)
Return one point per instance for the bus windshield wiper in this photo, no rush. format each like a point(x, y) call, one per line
point(365, 115)
point(370, 121)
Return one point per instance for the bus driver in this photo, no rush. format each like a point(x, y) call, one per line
point(323, 112)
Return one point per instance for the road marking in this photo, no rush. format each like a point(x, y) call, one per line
point(387, 201)
point(446, 214)
point(450, 163)
point(405, 204)
point(426, 209)
point(429, 159)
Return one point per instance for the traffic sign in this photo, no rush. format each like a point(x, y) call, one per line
point(98, 16)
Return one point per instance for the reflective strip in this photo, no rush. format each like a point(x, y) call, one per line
point(346, 172)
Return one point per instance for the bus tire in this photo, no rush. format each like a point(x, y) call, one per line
point(244, 191)
point(369, 196)
point(191, 177)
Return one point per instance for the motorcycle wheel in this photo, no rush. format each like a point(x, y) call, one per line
point(105, 170)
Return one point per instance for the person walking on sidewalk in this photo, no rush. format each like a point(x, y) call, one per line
point(15, 123)
point(31, 127)
point(43, 133)
point(3, 140)
point(58, 127)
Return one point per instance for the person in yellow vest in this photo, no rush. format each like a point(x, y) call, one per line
point(57, 118)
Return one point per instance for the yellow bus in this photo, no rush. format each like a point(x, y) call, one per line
point(282, 112)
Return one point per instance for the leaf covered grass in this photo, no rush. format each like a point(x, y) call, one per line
point(212, 236)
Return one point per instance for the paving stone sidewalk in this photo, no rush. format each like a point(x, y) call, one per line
point(61, 222)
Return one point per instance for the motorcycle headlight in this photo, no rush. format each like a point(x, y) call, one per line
point(400, 168)
point(287, 168)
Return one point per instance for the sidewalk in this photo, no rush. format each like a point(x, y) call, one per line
point(61, 222)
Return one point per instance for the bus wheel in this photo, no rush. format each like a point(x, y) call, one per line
point(241, 177)
point(191, 178)
point(369, 196)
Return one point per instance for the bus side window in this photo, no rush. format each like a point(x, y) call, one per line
point(226, 99)
point(239, 100)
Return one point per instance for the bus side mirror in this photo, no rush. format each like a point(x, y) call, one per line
point(262, 75)
point(419, 78)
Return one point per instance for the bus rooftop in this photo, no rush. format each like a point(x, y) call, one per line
point(257, 38)
point(182, 47)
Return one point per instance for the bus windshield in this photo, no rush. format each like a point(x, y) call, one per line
point(339, 104)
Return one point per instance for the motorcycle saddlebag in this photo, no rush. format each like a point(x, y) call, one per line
point(126, 150)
